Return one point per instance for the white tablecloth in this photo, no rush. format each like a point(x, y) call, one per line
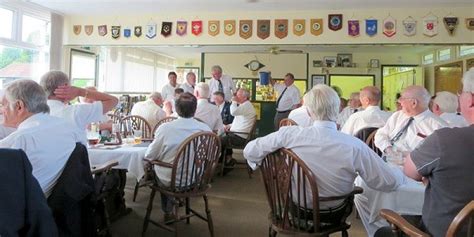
point(407, 199)
point(128, 157)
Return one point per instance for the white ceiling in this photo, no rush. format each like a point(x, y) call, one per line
point(130, 7)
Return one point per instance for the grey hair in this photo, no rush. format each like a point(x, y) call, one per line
point(371, 92)
point(323, 103)
point(447, 102)
point(216, 68)
point(30, 93)
point(245, 93)
point(468, 81)
point(190, 74)
point(420, 94)
point(155, 96)
point(355, 95)
point(52, 80)
point(203, 90)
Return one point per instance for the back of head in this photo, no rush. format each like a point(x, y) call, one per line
point(468, 81)
point(202, 90)
point(186, 105)
point(178, 91)
point(28, 91)
point(447, 102)
point(372, 93)
point(421, 95)
point(323, 103)
point(52, 80)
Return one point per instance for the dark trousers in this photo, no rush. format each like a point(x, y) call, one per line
point(387, 230)
point(278, 117)
point(228, 141)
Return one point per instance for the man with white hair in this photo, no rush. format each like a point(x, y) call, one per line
point(445, 105)
point(190, 83)
point(150, 109)
point(222, 83)
point(370, 116)
point(205, 111)
point(405, 129)
point(353, 107)
point(334, 157)
point(47, 141)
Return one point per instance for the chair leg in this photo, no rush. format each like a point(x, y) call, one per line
point(249, 171)
point(148, 211)
point(271, 232)
point(175, 224)
point(187, 210)
point(209, 217)
point(135, 191)
point(344, 233)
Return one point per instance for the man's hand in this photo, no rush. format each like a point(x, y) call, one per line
point(69, 92)
point(425, 181)
point(168, 108)
point(227, 127)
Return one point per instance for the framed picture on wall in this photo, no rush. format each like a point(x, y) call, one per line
point(344, 60)
point(330, 61)
point(318, 79)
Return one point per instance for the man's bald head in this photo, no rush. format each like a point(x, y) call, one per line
point(369, 95)
point(415, 100)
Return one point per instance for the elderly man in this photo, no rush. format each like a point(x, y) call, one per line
point(47, 141)
point(445, 105)
point(445, 162)
point(335, 158)
point(222, 83)
point(106, 123)
point(405, 129)
point(205, 111)
point(353, 107)
point(190, 83)
point(288, 98)
point(370, 116)
point(150, 109)
point(168, 137)
point(301, 115)
point(59, 91)
point(168, 90)
point(224, 107)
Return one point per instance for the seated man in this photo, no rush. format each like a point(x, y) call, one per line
point(353, 107)
point(405, 129)
point(47, 141)
point(335, 158)
point(371, 116)
point(301, 114)
point(445, 161)
point(445, 105)
point(224, 107)
point(150, 109)
point(205, 111)
point(168, 137)
point(59, 92)
point(105, 123)
point(244, 118)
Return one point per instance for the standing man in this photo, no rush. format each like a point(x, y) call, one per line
point(205, 111)
point(150, 109)
point(222, 83)
point(190, 83)
point(288, 98)
point(168, 90)
point(224, 107)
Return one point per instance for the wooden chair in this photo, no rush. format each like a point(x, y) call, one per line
point(162, 121)
point(369, 140)
point(287, 122)
point(135, 122)
point(115, 118)
point(399, 224)
point(191, 174)
point(292, 194)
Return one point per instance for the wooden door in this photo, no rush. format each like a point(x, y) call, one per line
point(448, 77)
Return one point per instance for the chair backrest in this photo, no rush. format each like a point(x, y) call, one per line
point(465, 215)
point(162, 121)
point(287, 122)
point(135, 122)
point(115, 118)
point(195, 162)
point(367, 135)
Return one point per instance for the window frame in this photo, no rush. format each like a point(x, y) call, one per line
point(423, 62)
point(438, 56)
point(466, 55)
point(84, 52)
point(14, 23)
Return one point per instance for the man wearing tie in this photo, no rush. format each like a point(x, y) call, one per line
point(222, 83)
point(288, 98)
point(190, 83)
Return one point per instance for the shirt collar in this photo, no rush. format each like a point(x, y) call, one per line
point(325, 124)
point(55, 103)
point(372, 107)
point(202, 101)
point(422, 115)
point(31, 121)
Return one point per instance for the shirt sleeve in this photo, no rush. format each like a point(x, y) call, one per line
point(297, 98)
point(381, 138)
point(256, 150)
point(348, 127)
point(426, 156)
point(242, 109)
point(155, 149)
point(88, 113)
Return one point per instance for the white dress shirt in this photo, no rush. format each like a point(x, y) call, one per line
point(335, 158)
point(149, 110)
point(345, 114)
point(187, 88)
point(167, 92)
point(5, 131)
point(80, 115)
point(372, 116)
point(168, 137)
point(454, 120)
point(423, 124)
point(48, 142)
point(210, 115)
point(291, 97)
point(244, 117)
point(301, 116)
point(227, 84)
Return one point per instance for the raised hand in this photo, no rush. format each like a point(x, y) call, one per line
point(67, 92)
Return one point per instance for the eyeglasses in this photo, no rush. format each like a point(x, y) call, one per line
point(405, 98)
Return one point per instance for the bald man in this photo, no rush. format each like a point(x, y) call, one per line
point(371, 116)
point(353, 107)
point(405, 129)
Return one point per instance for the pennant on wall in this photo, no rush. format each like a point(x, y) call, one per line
point(451, 23)
point(335, 21)
point(281, 28)
point(213, 28)
point(245, 29)
point(127, 32)
point(137, 31)
point(115, 32)
point(389, 26)
point(229, 27)
point(371, 27)
point(150, 30)
point(196, 27)
point(353, 28)
point(77, 29)
point(263, 29)
point(181, 27)
point(409, 26)
point(102, 30)
point(470, 23)
point(166, 27)
point(88, 29)
point(316, 26)
point(299, 26)
point(430, 25)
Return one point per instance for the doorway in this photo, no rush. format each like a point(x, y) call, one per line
point(448, 77)
point(395, 78)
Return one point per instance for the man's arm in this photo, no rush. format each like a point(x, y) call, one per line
point(257, 149)
point(382, 137)
point(424, 159)
point(409, 169)
point(71, 92)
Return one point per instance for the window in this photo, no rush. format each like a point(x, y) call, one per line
point(428, 58)
point(350, 83)
point(466, 50)
point(35, 31)
point(83, 68)
point(6, 18)
point(444, 54)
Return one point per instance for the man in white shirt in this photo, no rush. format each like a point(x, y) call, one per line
point(222, 83)
point(370, 116)
point(167, 92)
point(405, 129)
point(445, 105)
point(353, 107)
point(59, 91)
point(190, 83)
point(150, 109)
point(335, 158)
point(205, 111)
point(301, 115)
point(47, 141)
point(289, 98)
point(168, 137)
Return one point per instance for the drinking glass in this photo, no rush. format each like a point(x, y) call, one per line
point(137, 135)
